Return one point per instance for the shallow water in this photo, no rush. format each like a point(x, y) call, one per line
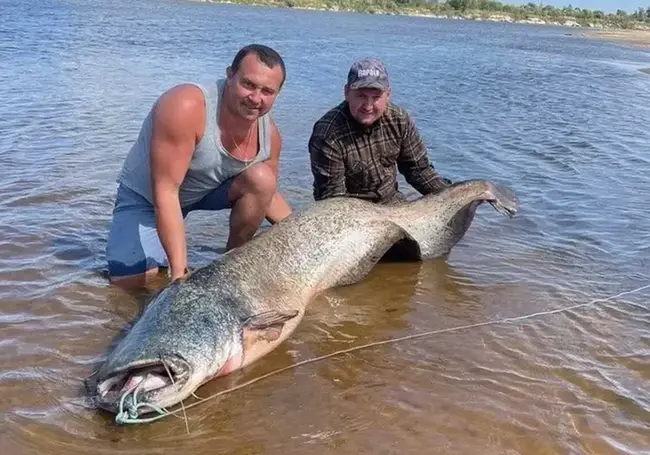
point(561, 120)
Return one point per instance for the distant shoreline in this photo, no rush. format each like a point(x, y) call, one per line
point(640, 35)
point(637, 37)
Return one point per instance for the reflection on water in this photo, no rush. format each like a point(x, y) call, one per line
point(561, 121)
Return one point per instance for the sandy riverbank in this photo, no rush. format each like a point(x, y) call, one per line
point(636, 38)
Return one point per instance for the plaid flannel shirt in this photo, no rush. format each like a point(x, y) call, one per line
point(348, 159)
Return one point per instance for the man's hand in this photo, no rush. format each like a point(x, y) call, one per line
point(182, 276)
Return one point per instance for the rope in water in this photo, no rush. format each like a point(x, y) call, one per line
point(128, 413)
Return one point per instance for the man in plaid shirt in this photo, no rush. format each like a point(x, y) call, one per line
point(358, 146)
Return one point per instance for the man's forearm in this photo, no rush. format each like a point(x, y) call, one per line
point(414, 164)
point(327, 167)
point(171, 230)
point(328, 184)
point(427, 180)
point(330, 191)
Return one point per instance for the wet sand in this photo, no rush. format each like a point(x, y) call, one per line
point(637, 38)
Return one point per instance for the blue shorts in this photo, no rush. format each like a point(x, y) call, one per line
point(133, 246)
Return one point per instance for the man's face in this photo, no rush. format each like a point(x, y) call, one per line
point(367, 104)
point(253, 88)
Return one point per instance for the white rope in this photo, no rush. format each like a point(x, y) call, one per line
point(413, 336)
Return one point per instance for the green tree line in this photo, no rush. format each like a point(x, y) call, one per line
point(477, 9)
point(641, 15)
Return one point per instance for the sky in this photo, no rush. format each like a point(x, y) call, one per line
point(608, 6)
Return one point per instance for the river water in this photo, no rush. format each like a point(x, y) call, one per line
point(562, 120)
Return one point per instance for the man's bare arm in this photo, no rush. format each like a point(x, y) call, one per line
point(177, 124)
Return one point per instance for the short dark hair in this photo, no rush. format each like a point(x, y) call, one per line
point(267, 55)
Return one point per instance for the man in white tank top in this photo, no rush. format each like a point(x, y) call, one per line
point(147, 232)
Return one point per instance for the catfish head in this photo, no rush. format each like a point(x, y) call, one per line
point(164, 359)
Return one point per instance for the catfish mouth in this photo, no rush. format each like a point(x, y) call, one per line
point(508, 208)
point(504, 201)
point(153, 382)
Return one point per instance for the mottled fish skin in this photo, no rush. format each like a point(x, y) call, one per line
point(198, 325)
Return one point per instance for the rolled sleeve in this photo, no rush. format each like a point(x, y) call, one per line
point(413, 163)
point(327, 168)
